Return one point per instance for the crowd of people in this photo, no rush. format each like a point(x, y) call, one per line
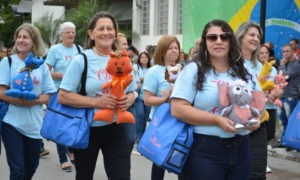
point(219, 151)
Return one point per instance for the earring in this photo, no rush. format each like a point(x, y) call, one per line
point(240, 54)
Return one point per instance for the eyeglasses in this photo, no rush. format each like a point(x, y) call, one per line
point(214, 37)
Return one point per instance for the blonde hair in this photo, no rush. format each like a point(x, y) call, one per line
point(162, 47)
point(38, 46)
point(242, 30)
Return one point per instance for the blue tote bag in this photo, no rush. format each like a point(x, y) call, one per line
point(291, 136)
point(68, 125)
point(167, 140)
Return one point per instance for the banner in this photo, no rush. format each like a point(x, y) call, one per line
point(282, 18)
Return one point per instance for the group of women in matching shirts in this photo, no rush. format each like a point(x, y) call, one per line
point(219, 150)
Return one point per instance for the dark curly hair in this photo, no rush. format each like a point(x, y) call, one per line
point(235, 60)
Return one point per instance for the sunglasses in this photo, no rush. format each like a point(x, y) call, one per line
point(214, 37)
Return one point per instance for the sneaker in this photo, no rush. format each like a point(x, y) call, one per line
point(44, 152)
point(268, 169)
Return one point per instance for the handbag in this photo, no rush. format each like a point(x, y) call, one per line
point(291, 137)
point(3, 104)
point(68, 125)
point(167, 141)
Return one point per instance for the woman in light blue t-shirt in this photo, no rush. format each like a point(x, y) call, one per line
point(23, 120)
point(58, 58)
point(219, 151)
point(142, 111)
point(248, 36)
point(110, 138)
point(157, 89)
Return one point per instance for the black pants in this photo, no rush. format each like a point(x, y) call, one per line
point(271, 124)
point(113, 142)
point(259, 153)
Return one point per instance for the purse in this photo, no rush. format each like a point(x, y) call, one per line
point(167, 141)
point(3, 104)
point(291, 137)
point(66, 125)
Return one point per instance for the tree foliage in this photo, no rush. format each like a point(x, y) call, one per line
point(49, 28)
point(81, 15)
point(9, 23)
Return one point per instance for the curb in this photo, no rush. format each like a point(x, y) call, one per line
point(283, 154)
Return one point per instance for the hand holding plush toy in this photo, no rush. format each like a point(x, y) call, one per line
point(22, 85)
point(274, 94)
point(240, 104)
point(172, 72)
point(119, 67)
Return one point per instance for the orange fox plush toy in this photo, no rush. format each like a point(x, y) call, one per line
point(119, 67)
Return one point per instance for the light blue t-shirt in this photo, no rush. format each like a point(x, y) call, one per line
point(59, 56)
point(26, 120)
point(208, 98)
point(141, 72)
point(155, 82)
point(96, 77)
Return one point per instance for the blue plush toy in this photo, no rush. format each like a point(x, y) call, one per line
point(22, 84)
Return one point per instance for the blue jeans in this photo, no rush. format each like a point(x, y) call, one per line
point(62, 151)
point(212, 157)
point(288, 105)
point(141, 116)
point(22, 153)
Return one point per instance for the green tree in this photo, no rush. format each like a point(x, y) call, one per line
point(8, 25)
point(49, 28)
point(81, 15)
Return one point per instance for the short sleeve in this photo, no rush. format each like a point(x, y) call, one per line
point(4, 72)
point(51, 60)
point(185, 85)
point(48, 84)
point(72, 77)
point(150, 82)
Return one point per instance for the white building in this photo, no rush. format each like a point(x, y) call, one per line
point(151, 19)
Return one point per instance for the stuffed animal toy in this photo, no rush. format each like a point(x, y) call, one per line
point(275, 93)
point(119, 67)
point(263, 81)
point(240, 104)
point(172, 72)
point(22, 84)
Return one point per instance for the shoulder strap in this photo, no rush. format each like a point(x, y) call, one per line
point(9, 60)
point(83, 75)
point(78, 48)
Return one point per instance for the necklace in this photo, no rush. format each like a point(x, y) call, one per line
point(97, 52)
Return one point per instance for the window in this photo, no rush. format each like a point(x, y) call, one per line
point(163, 7)
point(145, 17)
point(178, 27)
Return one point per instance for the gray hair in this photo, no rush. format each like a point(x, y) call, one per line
point(65, 25)
point(242, 30)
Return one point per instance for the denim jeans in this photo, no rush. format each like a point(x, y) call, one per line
point(22, 153)
point(112, 141)
point(288, 105)
point(62, 153)
point(212, 157)
point(141, 116)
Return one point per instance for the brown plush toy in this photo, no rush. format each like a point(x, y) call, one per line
point(119, 67)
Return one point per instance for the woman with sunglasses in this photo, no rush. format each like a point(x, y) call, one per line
point(219, 150)
point(248, 36)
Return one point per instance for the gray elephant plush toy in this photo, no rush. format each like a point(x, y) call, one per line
point(240, 104)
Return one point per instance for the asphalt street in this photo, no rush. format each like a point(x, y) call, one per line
point(49, 168)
